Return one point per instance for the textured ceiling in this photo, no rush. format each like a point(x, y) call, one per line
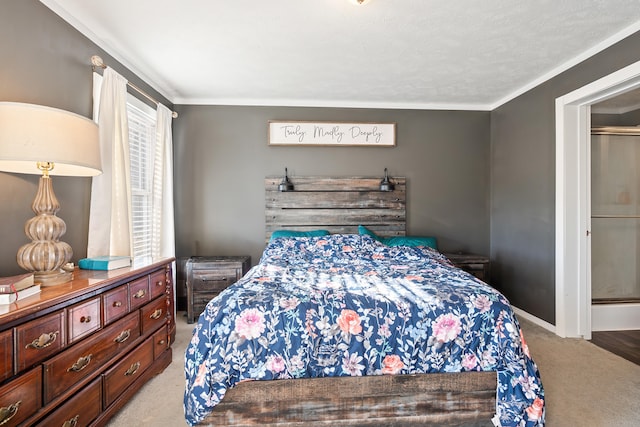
point(465, 54)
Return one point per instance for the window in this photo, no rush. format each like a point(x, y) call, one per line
point(142, 134)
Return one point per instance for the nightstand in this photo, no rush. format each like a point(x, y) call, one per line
point(207, 276)
point(478, 265)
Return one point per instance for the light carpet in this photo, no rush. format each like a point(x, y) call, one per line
point(585, 385)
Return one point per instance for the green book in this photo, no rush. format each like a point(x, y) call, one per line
point(104, 262)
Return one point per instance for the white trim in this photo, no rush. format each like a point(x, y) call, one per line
point(615, 317)
point(573, 289)
point(330, 104)
point(533, 319)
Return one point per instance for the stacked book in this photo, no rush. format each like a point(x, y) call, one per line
point(15, 288)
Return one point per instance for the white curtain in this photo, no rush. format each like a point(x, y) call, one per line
point(163, 243)
point(110, 223)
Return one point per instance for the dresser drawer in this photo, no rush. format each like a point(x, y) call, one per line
point(214, 280)
point(81, 360)
point(6, 355)
point(158, 283)
point(21, 398)
point(80, 410)
point(38, 339)
point(153, 315)
point(139, 292)
point(122, 375)
point(84, 318)
point(160, 341)
point(115, 304)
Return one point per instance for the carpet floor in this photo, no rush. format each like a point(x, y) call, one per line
point(584, 385)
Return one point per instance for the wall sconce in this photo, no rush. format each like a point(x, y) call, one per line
point(386, 184)
point(285, 185)
point(46, 141)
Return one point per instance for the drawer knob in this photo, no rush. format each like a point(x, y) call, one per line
point(161, 342)
point(159, 283)
point(140, 294)
point(73, 422)
point(7, 412)
point(82, 363)
point(85, 319)
point(132, 369)
point(117, 304)
point(44, 340)
point(156, 314)
point(124, 335)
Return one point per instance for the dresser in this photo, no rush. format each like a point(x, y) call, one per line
point(74, 354)
point(207, 276)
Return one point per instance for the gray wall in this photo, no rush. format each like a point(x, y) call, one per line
point(45, 61)
point(523, 182)
point(222, 158)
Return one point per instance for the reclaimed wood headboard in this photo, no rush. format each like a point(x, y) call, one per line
point(338, 205)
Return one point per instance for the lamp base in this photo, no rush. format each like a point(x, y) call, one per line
point(52, 278)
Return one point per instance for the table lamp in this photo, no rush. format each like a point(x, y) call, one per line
point(41, 140)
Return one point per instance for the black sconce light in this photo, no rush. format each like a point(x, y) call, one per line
point(386, 184)
point(285, 185)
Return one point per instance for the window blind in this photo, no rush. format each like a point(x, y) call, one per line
point(142, 132)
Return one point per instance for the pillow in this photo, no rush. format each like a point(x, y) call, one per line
point(364, 231)
point(294, 233)
point(430, 242)
point(411, 241)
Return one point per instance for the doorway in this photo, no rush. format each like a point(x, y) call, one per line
point(615, 224)
point(573, 211)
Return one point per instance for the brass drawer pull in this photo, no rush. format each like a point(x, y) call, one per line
point(44, 340)
point(85, 319)
point(124, 335)
point(156, 314)
point(73, 422)
point(82, 363)
point(140, 294)
point(117, 304)
point(7, 412)
point(161, 342)
point(132, 369)
point(159, 283)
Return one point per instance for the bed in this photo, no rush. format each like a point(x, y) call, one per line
point(343, 329)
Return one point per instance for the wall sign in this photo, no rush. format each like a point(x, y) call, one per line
point(332, 133)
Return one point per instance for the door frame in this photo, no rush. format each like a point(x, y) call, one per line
point(572, 257)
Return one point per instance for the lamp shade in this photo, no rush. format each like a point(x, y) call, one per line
point(34, 133)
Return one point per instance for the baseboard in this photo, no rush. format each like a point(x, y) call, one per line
point(615, 317)
point(533, 319)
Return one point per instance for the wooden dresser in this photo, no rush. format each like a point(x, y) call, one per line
point(74, 354)
point(207, 276)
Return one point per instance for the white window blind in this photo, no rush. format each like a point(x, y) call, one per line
point(142, 133)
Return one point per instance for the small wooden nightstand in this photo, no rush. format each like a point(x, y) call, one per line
point(478, 265)
point(207, 276)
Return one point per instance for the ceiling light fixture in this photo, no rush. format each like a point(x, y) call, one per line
point(359, 2)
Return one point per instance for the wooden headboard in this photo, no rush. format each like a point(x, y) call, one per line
point(338, 205)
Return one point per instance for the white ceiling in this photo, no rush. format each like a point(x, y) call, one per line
point(464, 54)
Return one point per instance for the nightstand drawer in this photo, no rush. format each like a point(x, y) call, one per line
point(215, 281)
point(477, 265)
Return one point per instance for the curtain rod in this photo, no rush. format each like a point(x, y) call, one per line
point(96, 61)
point(615, 130)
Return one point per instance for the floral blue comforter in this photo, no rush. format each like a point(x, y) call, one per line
point(347, 305)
